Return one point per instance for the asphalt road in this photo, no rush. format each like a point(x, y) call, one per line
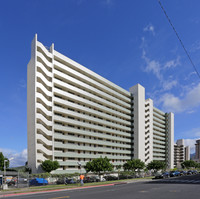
point(193, 179)
point(125, 191)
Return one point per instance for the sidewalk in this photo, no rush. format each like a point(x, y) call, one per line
point(28, 191)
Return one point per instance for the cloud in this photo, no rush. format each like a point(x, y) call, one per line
point(187, 103)
point(158, 69)
point(189, 75)
point(152, 66)
point(172, 63)
point(191, 144)
point(19, 158)
point(195, 46)
point(168, 85)
point(149, 28)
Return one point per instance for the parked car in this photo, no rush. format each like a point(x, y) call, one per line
point(162, 175)
point(189, 172)
point(174, 173)
point(70, 181)
point(183, 173)
point(110, 177)
point(60, 181)
point(90, 179)
point(195, 172)
point(38, 182)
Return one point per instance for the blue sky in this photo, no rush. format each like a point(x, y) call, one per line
point(127, 42)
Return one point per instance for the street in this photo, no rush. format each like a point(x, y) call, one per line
point(142, 190)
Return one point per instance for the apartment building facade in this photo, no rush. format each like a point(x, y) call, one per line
point(197, 150)
point(181, 153)
point(75, 115)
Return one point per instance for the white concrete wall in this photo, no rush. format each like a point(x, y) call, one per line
point(187, 153)
point(170, 136)
point(31, 130)
point(180, 142)
point(149, 131)
point(138, 92)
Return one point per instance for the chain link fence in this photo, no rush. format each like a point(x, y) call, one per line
point(18, 179)
point(14, 179)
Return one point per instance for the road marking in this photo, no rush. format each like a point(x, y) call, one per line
point(60, 197)
point(143, 191)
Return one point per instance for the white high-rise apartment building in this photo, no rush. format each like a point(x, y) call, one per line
point(181, 153)
point(75, 115)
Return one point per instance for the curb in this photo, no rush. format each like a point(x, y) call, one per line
point(55, 190)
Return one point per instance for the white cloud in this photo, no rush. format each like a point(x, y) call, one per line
point(168, 85)
point(191, 144)
point(158, 69)
point(172, 63)
point(19, 158)
point(152, 66)
point(187, 103)
point(189, 75)
point(195, 46)
point(149, 28)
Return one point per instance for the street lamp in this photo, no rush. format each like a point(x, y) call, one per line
point(79, 165)
point(5, 169)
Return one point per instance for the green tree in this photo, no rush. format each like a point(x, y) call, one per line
point(2, 159)
point(49, 165)
point(156, 165)
point(99, 166)
point(88, 167)
point(188, 164)
point(133, 165)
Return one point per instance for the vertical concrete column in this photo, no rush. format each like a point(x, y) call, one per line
point(138, 92)
point(31, 103)
point(52, 51)
point(170, 140)
point(150, 130)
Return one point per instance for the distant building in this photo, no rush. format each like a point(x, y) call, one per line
point(197, 150)
point(181, 153)
point(75, 115)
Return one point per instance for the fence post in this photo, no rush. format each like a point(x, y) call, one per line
point(17, 179)
point(28, 180)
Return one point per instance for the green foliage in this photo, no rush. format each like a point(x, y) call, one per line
point(156, 165)
point(133, 165)
point(2, 158)
point(49, 165)
point(65, 175)
point(197, 165)
point(118, 167)
point(189, 163)
point(174, 169)
point(99, 165)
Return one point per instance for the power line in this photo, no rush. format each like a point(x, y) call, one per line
point(179, 39)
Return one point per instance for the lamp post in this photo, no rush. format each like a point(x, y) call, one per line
point(79, 165)
point(5, 169)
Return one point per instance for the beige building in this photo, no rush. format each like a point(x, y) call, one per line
point(197, 150)
point(181, 153)
point(75, 115)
